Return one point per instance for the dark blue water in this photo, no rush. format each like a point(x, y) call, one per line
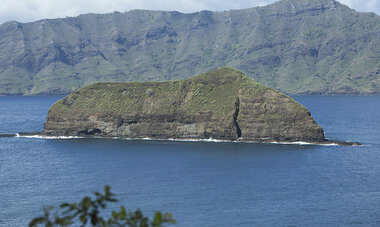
point(201, 184)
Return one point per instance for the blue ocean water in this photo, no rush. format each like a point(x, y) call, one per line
point(201, 183)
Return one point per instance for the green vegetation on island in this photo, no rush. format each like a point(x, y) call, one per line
point(220, 104)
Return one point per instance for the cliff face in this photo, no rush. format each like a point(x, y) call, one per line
point(220, 104)
point(295, 46)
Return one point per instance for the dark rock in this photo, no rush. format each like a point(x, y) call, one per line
point(8, 135)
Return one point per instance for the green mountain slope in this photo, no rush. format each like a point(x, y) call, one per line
point(295, 46)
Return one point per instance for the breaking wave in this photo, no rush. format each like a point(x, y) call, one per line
point(302, 143)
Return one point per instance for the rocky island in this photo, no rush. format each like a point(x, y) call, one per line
point(221, 104)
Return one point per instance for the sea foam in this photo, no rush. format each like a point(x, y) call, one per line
point(212, 140)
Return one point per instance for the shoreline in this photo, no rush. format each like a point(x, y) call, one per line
point(42, 135)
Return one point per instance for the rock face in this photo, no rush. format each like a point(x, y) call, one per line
point(220, 104)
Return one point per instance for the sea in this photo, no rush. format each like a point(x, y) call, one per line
point(206, 183)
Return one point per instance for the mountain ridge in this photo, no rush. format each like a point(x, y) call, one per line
point(326, 49)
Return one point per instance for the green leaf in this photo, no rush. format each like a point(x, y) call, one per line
point(36, 221)
point(144, 222)
point(86, 202)
point(107, 189)
point(63, 205)
point(114, 215)
point(111, 200)
point(102, 222)
point(73, 206)
point(157, 219)
point(123, 213)
point(88, 209)
point(83, 218)
point(168, 218)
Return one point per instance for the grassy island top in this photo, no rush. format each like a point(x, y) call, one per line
point(214, 92)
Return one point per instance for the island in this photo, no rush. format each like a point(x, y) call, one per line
point(222, 104)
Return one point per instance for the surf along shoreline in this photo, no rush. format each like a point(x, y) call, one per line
point(42, 135)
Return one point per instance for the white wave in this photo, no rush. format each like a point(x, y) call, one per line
point(178, 140)
point(293, 143)
point(48, 137)
point(182, 140)
point(329, 144)
point(305, 143)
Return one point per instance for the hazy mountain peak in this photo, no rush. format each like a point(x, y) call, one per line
point(292, 45)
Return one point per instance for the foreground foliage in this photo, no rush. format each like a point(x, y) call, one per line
point(87, 212)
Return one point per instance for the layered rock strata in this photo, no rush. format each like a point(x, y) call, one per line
point(220, 104)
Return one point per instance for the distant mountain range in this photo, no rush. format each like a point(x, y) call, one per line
point(295, 46)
